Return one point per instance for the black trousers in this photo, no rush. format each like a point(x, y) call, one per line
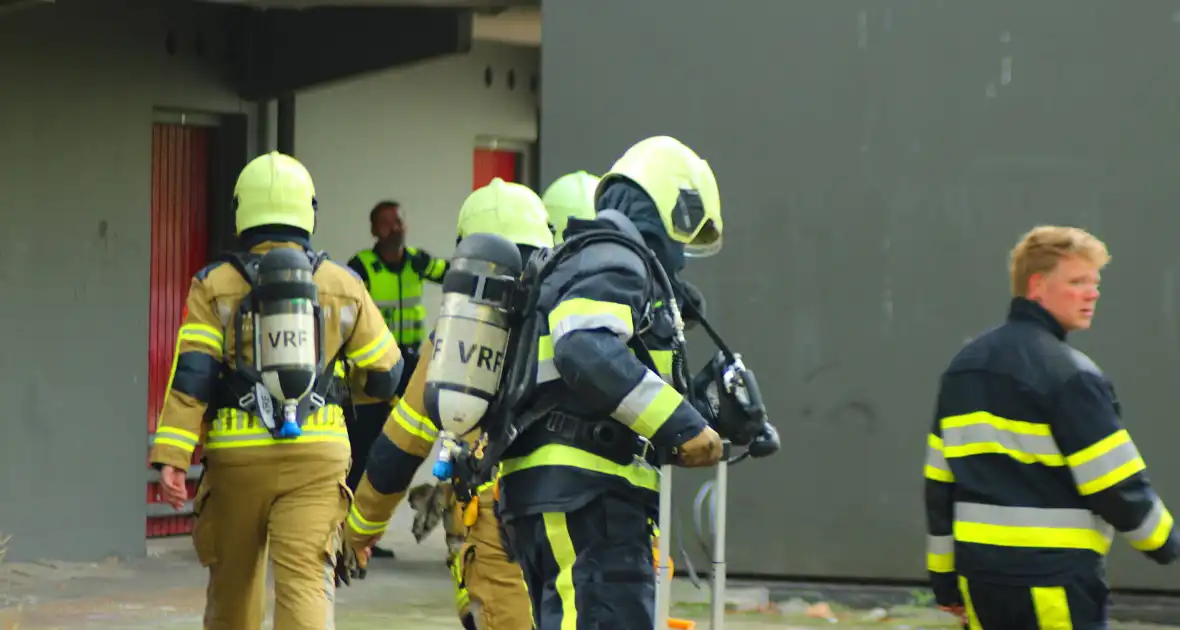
point(363, 428)
point(590, 569)
point(1080, 604)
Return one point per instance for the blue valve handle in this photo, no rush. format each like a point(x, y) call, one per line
point(442, 470)
point(290, 429)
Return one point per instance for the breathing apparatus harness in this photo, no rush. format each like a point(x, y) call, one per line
point(287, 381)
point(738, 412)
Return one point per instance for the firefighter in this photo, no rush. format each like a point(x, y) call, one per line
point(394, 274)
point(571, 195)
point(1029, 471)
point(489, 588)
point(284, 492)
point(578, 493)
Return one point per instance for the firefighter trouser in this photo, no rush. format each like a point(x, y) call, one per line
point(293, 507)
point(489, 588)
point(590, 569)
point(1080, 604)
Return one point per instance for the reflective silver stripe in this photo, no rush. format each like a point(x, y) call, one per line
point(638, 400)
point(572, 322)
point(374, 352)
point(347, 320)
point(1104, 464)
point(1029, 517)
point(403, 304)
point(410, 420)
point(308, 432)
point(1140, 535)
point(983, 432)
point(546, 371)
point(194, 331)
point(935, 458)
point(940, 545)
point(174, 436)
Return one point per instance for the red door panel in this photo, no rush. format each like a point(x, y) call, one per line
point(490, 164)
point(179, 242)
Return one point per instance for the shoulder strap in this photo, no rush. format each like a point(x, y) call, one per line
point(245, 263)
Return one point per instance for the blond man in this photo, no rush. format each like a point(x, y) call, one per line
point(1029, 472)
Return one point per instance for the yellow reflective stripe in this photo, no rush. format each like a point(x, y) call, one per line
point(648, 405)
point(981, 433)
point(562, 546)
point(435, 268)
point(1154, 531)
point(234, 428)
point(359, 524)
point(969, 608)
point(1030, 527)
point(546, 370)
point(1105, 463)
point(638, 474)
point(203, 334)
point(338, 369)
point(1052, 608)
point(413, 422)
point(940, 554)
point(172, 436)
point(936, 466)
point(372, 351)
point(487, 485)
point(586, 314)
point(663, 361)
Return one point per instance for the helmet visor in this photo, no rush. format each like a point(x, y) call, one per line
point(707, 242)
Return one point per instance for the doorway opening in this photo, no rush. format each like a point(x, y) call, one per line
point(195, 158)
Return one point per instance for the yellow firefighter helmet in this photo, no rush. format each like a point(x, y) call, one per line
point(681, 184)
point(571, 195)
point(506, 209)
point(274, 189)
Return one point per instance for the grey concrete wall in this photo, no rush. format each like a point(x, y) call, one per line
point(408, 134)
point(80, 79)
point(877, 160)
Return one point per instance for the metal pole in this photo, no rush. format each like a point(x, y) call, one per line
point(664, 549)
point(721, 487)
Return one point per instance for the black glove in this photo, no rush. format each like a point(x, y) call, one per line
point(766, 444)
point(347, 567)
point(419, 261)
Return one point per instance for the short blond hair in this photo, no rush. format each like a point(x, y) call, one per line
point(1042, 247)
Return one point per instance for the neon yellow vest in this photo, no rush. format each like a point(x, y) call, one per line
point(398, 295)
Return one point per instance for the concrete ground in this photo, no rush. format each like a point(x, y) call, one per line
point(413, 592)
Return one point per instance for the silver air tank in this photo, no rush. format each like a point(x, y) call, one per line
point(471, 336)
point(285, 339)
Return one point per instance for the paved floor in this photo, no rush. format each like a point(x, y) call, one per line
point(166, 591)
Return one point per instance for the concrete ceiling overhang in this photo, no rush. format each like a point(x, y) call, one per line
point(508, 21)
point(454, 4)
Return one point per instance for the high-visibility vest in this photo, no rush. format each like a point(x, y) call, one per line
point(399, 295)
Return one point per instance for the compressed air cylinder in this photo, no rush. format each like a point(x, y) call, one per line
point(472, 333)
point(285, 330)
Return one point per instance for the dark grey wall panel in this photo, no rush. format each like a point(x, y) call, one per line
point(876, 161)
point(81, 79)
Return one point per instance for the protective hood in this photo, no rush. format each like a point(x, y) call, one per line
point(636, 205)
point(253, 237)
